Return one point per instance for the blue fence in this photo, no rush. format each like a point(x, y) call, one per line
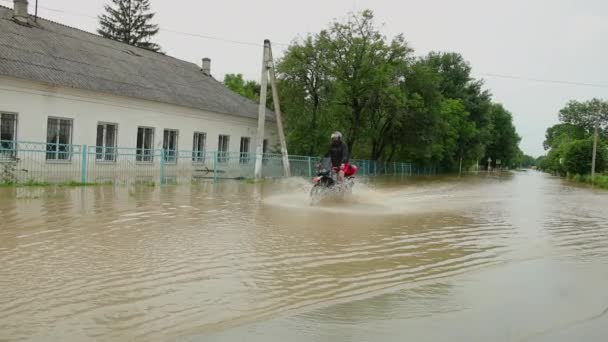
point(34, 162)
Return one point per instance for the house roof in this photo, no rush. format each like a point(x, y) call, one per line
point(59, 55)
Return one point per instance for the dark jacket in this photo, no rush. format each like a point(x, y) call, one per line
point(338, 153)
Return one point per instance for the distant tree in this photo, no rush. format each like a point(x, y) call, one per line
point(128, 21)
point(504, 139)
point(248, 89)
point(528, 161)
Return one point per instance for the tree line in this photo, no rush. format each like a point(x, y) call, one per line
point(390, 104)
point(578, 141)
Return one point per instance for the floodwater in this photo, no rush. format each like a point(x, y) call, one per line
point(516, 257)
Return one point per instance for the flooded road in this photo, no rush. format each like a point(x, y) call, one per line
point(517, 257)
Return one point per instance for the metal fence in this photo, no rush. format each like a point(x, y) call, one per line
point(39, 163)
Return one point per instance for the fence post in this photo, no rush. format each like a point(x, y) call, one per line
point(162, 166)
point(83, 164)
point(309, 166)
point(215, 162)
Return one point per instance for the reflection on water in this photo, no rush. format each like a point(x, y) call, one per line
point(241, 261)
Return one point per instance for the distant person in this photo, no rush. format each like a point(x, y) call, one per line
point(338, 153)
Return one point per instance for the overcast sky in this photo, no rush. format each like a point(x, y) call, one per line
point(562, 40)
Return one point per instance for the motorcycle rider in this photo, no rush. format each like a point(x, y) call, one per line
point(338, 153)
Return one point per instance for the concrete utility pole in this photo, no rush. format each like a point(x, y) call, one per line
point(268, 69)
point(595, 128)
point(277, 112)
point(259, 150)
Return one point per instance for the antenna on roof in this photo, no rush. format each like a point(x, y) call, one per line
point(36, 12)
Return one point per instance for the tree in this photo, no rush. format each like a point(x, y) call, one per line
point(128, 21)
point(576, 157)
point(248, 89)
point(590, 115)
point(458, 132)
point(504, 141)
point(307, 95)
point(528, 161)
point(359, 59)
point(562, 133)
point(456, 83)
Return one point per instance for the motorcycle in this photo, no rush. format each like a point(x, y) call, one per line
point(326, 184)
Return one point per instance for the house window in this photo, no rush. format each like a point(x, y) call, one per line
point(222, 148)
point(105, 147)
point(264, 150)
point(265, 146)
point(198, 147)
point(244, 159)
point(8, 135)
point(145, 143)
point(170, 145)
point(58, 139)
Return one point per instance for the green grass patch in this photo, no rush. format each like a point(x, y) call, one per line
point(601, 180)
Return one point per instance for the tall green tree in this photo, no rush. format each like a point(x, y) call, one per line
point(503, 140)
point(360, 59)
point(457, 83)
point(307, 96)
point(458, 134)
point(129, 21)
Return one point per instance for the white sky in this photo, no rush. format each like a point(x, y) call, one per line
point(540, 39)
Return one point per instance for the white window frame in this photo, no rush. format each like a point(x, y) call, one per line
point(244, 155)
point(71, 135)
point(104, 146)
point(171, 155)
point(223, 156)
point(9, 152)
point(198, 155)
point(140, 158)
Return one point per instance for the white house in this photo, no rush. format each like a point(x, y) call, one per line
point(61, 86)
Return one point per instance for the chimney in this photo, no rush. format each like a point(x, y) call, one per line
point(206, 69)
point(20, 11)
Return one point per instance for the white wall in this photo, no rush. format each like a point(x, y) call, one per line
point(35, 102)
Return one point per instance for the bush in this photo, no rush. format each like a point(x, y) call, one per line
point(577, 157)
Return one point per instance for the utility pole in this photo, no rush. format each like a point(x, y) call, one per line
point(277, 112)
point(268, 70)
point(259, 150)
point(595, 128)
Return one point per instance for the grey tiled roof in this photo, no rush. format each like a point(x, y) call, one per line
point(59, 55)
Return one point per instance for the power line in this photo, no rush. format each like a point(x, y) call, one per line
point(539, 80)
point(232, 41)
point(248, 43)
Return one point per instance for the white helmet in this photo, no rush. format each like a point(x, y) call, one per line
point(336, 135)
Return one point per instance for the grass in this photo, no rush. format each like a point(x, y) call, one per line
point(601, 180)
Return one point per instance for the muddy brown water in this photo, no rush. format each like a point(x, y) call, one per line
point(515, 257)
